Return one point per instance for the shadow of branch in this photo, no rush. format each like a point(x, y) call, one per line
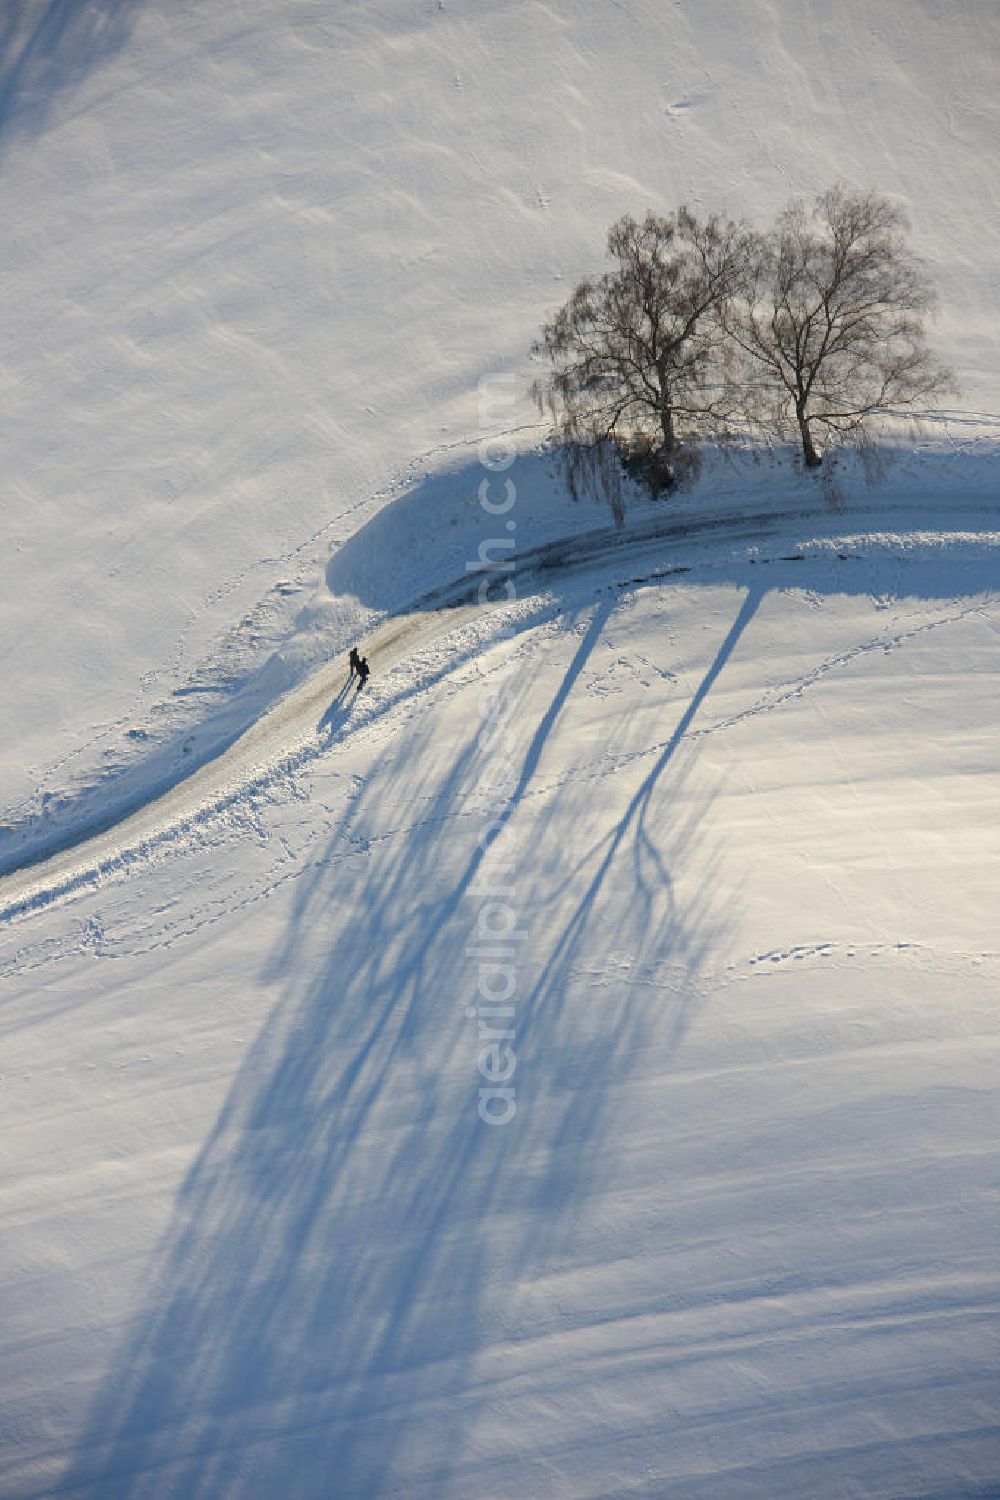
point(50, 56)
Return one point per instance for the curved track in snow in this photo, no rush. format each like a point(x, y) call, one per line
point(288, 734)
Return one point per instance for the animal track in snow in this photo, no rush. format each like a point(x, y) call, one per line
point(826, 950)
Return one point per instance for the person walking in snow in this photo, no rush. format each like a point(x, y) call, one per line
point(364, 671)
point(355, 660)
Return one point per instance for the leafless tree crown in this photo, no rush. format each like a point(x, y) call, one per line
point(639, 357)
point(833, 319)
point(818, 323)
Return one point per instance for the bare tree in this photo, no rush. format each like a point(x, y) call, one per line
point(639, 356)
point(834, 317)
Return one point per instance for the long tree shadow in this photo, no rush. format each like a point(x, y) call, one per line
point(51, 54)
point(554, 981)
point(323, 1311)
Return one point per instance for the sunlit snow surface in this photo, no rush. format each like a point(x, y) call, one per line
point(739, 1240)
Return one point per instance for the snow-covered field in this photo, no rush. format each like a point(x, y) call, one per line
point(739, 1239)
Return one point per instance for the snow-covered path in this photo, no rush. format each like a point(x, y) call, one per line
point(60, 858)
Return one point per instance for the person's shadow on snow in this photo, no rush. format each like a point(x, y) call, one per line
point(336, 715)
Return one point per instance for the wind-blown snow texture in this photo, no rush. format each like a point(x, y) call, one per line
point(740, 1238)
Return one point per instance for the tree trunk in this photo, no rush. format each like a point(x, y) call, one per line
point(809, 453)
point(667, 424)
point(663, 473)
